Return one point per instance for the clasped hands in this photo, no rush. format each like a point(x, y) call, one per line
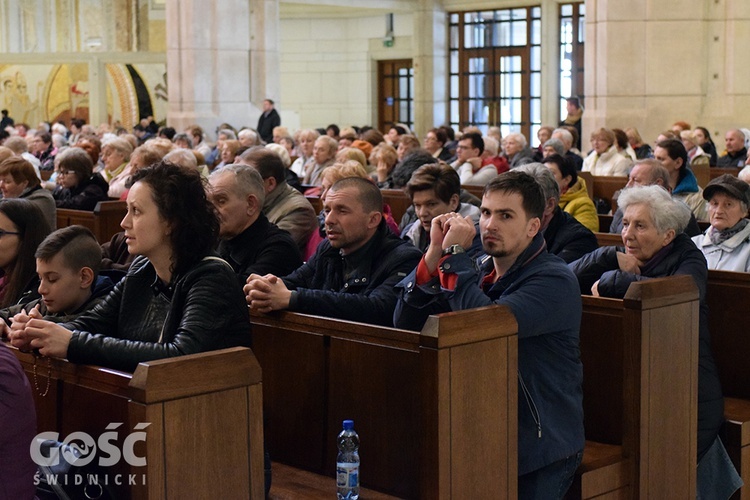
point(29, 330)
point(266, 293)
point(447, 230)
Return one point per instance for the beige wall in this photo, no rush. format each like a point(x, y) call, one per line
point(653, 62)
point(649, 62)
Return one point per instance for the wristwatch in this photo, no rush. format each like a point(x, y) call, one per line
point(453, 250)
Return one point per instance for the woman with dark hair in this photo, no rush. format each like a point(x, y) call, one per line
point(79, 187)
point(703, 139)
point(177, 298)
point(22, 229)
point(574, 196)
point(19, 180)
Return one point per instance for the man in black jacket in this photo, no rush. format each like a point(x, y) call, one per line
point(249, 242)
point(565, 236)
point(352, 274)
point(267, 121)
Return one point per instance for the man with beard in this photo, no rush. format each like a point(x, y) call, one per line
point(545, 299)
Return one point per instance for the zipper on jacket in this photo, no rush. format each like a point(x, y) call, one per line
point(532, 406)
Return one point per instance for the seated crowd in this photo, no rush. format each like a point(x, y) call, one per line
point(222, 227)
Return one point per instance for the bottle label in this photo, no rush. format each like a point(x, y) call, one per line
point(347, 475)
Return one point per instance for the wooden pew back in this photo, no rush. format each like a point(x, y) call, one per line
point(423, 434)
point(640, 359)
point(398, 200)
point(190, 403)
point(104, 220)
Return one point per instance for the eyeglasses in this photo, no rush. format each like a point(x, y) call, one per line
point(3, 232)
point(65, 172)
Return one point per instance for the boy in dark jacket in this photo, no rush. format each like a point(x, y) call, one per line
point(67, 262)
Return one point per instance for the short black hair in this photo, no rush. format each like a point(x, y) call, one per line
point(476, 140)
point(78, 246)
point(675, 149)
point(565, 165)
point(522, 183)
point(180, 196)
point(403, 171)
point(335, 128)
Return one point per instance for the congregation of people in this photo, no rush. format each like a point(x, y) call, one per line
point(266, 219)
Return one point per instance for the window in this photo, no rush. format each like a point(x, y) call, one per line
point(572, 37)
point(395, 93)
point(495, 65)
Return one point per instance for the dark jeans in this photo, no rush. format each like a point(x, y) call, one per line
point(549, 482)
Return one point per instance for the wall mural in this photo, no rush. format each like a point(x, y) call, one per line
point(45, 92)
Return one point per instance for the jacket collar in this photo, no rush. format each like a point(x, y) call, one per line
point(241, 245)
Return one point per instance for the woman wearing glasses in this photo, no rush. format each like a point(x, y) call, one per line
point(79, 187)
point(177, 298)
point(22, 229)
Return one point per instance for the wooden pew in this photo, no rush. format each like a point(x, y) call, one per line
point(104, 220)
point(640, 380)
point(702, 174)
point(608, 239)
point(423, 433)
point(475, 190)
point(728, 294)
point(204, 438)
point(398, 200)
point(605, 187)
point(316, 203)
point(718, 171)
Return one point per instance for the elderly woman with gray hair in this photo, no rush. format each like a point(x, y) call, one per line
point(726, 243)
point(655, 247)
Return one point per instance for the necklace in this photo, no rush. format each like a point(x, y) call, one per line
point(49, 376)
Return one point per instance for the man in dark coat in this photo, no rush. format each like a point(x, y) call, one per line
point(352, 274)
point(268, 121)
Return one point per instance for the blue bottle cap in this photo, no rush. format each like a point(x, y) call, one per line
point(348, 425)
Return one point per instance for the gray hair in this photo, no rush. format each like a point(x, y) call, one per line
point(17, 144)
point(120, 145)
point(491, 145)
point(229, 134)
point(544, 177)
point(666, 213)
point(282, 152)
point(247, 180)
point(333, 146)
point(183, 137)
point(557, 145)
point(246, 132)
point(566, 136)
point(182, 157)
point(518, 137)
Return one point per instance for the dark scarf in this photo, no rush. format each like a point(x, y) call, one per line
point(718, 237)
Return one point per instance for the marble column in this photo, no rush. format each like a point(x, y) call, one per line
point(222, 61)
point(649, 64)
point(430, 66)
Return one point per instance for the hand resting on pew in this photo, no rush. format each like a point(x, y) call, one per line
point(266, 293)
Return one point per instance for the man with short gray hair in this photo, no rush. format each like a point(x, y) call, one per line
point(249, 242)
point(565, 236)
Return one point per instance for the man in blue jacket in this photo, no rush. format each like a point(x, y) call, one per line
point(544, 297)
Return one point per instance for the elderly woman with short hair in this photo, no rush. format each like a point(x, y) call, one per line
point(18, 179)
point(305, 140)
point(655, 247)
point(726, 243)
point(115, 155)
point(605, 159)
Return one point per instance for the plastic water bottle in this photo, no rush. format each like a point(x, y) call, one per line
point(347, 463)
